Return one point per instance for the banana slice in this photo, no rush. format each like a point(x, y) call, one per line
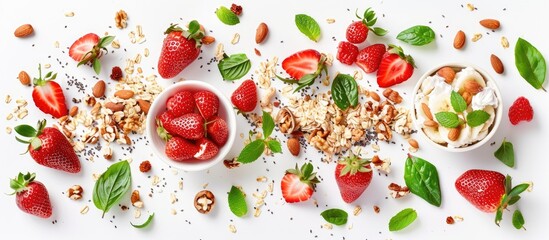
point(467, 74)
point(490, 110)
point(434, 134)
point(440, 102)
point(429, 83)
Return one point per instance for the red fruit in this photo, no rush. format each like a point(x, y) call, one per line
point(302, 63)
point(49, 147)
point(181, 103)
point(346, 53)
point(88, 49)
point(482, 188)
point(245, 96)
point(369, 58)
point(299, 184)
point(31, 196)
point(116, 73)
point(48, 95)
point(207, 104)
point(189, 126)
point(163, 127)
point(218, 131)
point(357, 32)
point(395, 67)
point(207, 149)
point(179, 149)
point(521, 110)
point(353, 175)
point(180, 49)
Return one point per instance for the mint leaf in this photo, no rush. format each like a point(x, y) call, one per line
point(447, 119)
point(308, 26)
point(477, 118)
point(252, 151)
point(421, 178)
point(417, 35)
point(145, 224)
point(530, 63)
point(518, 219)
point(234, 67)
point(237, 202)
point(506, 153)
point(458, 103)
point(274, 145)
point(268, 125)
point(335, 216)
point(226, 16)
point(402, 219)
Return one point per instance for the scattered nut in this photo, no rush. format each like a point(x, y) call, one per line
point(293, 146)
point(114, 107)
point(207, 40)
point(450, 220)
point(138, 204)
point(504, 42)
point(231, 163)
point(430, 123)
point(135, 197)
point(472, 86)
point(427, 111)
point(90, 101)
point(204, 201)
point(468, 97)
point(374, 96)
point(75, 192)
point(330, 20)
point(121, 19)
point(99, 89)
point(490, 23)
point(471, 7)
point(392, 95)
point(24, 78)
point(116, 73)
point(107, 152)
point(69, 14)
point(261, 33)
point(453, 135)
point(145, 166)
point(73, 111)
point(413, 143)
point(236, 39)
point(144, 105)
point(459, 40)
point(257, 52)
point(286, 121)
point(476, 37)
point(376, 209)
point(23, 31)
point(398, 191)
point(497, 65)
point(124, 94)
point(447, 73)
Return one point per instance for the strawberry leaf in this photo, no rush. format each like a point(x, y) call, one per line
point(506, 153)
point(458, 102)
point(308, 26)
point(145, 224)
point(379, 31)
point(447, 119)
point(268, 125)
point(477, 118)
point(194, 27)
point(274, 145)
point(25, 130)
point(518, 220)
point(252, 151)
point(335, 216)
point(402, 219)
point(237, 202)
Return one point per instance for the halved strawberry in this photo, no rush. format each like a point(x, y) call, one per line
point(302, 63)
point(179, 149)
point(207, 104)
point(207, 149)
point(369, 58)
point(218, 131)
point(88, 49)
point(395, 67)
point(48, 95)
point(299, 184)
point(181, 103)
point(346, 52)
point(189, 126)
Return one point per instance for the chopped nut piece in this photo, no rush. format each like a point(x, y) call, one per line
point(121, 19)
point(261, 179)
point(107, 152)
point(69, 14)
point(145, 166)
point(376, 209)
point(236, 39)
point(458, 218)
point(73, 111)
point(470, 6)
point(137, 213)
point(357, 210)
point(328, 226)
point(330, 20)
point(173, 212)
point(75, 192)
point(8, 130)
point(236, 9)
point(84, 210)
point(413, 143)
point(392, 95)
point(397, 191)
point(231, 163)
point(135, 197)
point(476, 37)
point(382, 165)
point(138, 204)
point(450, 220)
point(504, 42)
point(204, 201)
point(232, 228)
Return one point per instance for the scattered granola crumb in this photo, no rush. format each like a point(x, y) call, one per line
point(328, 226)
point(458, 218)
point(470, 6)
point(357, 210)
point(173, 212)
point(476, 37)
point(376, 209)
point(504, 42)
point(236, 39)
point(8, 130)
point(232, 228)
point(330, 20)
point(69, 14)
point(145, 166)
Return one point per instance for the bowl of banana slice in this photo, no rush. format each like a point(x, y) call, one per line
point(457, 107)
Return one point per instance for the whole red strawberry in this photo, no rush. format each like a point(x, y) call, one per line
point(181, 103)
point(207, 104)
point(89, 48)
point(395, 67)
point(48, 95)
point(245, 96)
point(353, 175)
point(207, 149)
point(299, 184)
point(357, 32)
point(180, 49)
point(218, 131)
point(369, 58)
point(347, 52)
point(31, 196)
point(162, 123)
point(189, 126)
point(179, 149)
point(521, 110)
point(49, 147)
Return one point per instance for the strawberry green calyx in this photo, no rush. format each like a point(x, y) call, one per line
point(31, 133)
point(95, 53)
point(369, 19)
point(21, 182)
point(195, 32)
point(353, 164)
point(511, 196)
point(398, 50)
point(161, 131)
point(305, 174)
point(42, 81)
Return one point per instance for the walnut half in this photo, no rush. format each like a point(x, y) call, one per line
point(204, 201)
point(286, 121)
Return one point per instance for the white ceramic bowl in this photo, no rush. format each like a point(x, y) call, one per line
point(489, 81)
point(159, 105)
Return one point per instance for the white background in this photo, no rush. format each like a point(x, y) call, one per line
point(293, 221)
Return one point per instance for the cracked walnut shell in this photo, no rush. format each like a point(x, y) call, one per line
point(286, 121)
point(204, 201)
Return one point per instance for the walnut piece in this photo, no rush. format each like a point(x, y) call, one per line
point(204, 201)
point(121, 19)
point(75, 192)
point(286, 121)
point(398, 191)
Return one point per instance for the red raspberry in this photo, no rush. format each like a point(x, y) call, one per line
point(521, 110)
point(236, 9)
point(347, 52)
point(145, 166)
point(116, 73)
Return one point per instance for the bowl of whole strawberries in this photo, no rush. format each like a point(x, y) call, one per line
point(191, 125)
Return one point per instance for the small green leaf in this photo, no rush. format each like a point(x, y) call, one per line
point(335, 216)
point(252, 151)
point(477, 118)
point(506, 153)
point(447, 119)
point(344, 91)
point(530, 63)
point(518, 189)
point(234, 67)
point(146, 223)
point(25, 130)
point(274, 145)
point(402, 219)
point(308, 26)
point(421, 178)
point(417, 35)
point(226, 16)
point(518, 219)
point(379, 31)
point(97, 66)
point(194, 27)
point(268, 125)
point(513, 200)
point(458, 103)
point(105, 41)
point(237, 202)
point(112, 185)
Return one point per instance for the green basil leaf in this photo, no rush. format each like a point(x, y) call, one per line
point(237, 202)
point(457, 101)
point(226, 16)
point(145, 224)
point(402, 219)
point(335, 216)
point(308, 26)
point(421, 177)
point(234, 67)
point(344, 91)
point(530, 63)
point(252, 151)
point(506, 153)
point(417, 35)
point(518, 220)
point(274, 145)
point(25, 130)
point(112, 186)
point(268, 125)
point(477, 118)
point(447, 119)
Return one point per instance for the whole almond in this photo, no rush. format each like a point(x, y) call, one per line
point(374, 96)
point(472, 86)
point(24, 78)
point(430, 123)
point(114, 107)
point(207, 40)
point(490, 23)
point(427, 111)
point(144, 105)
point(261, 33)
point(453, 134)
point(23, 31)
point(496, 64)
point(413, 143)
point(459, 40)
point(124, 94)
point(99, 89)
point(135, 197)
point(293, 146)
point(447, 73)
point(468, 97)
point(73, 111)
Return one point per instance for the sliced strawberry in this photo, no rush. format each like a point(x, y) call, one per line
point(207, 149)
point(207, 104)
point(189, 126)
point(299, 184)
point(302, 63)
point(82, 46)
point(369, 58)
point(179, 149)
point(245, 96)
point(218, 131)
point(347, 52)
point(48, 95)
point(395, 68)
point(181, 103)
